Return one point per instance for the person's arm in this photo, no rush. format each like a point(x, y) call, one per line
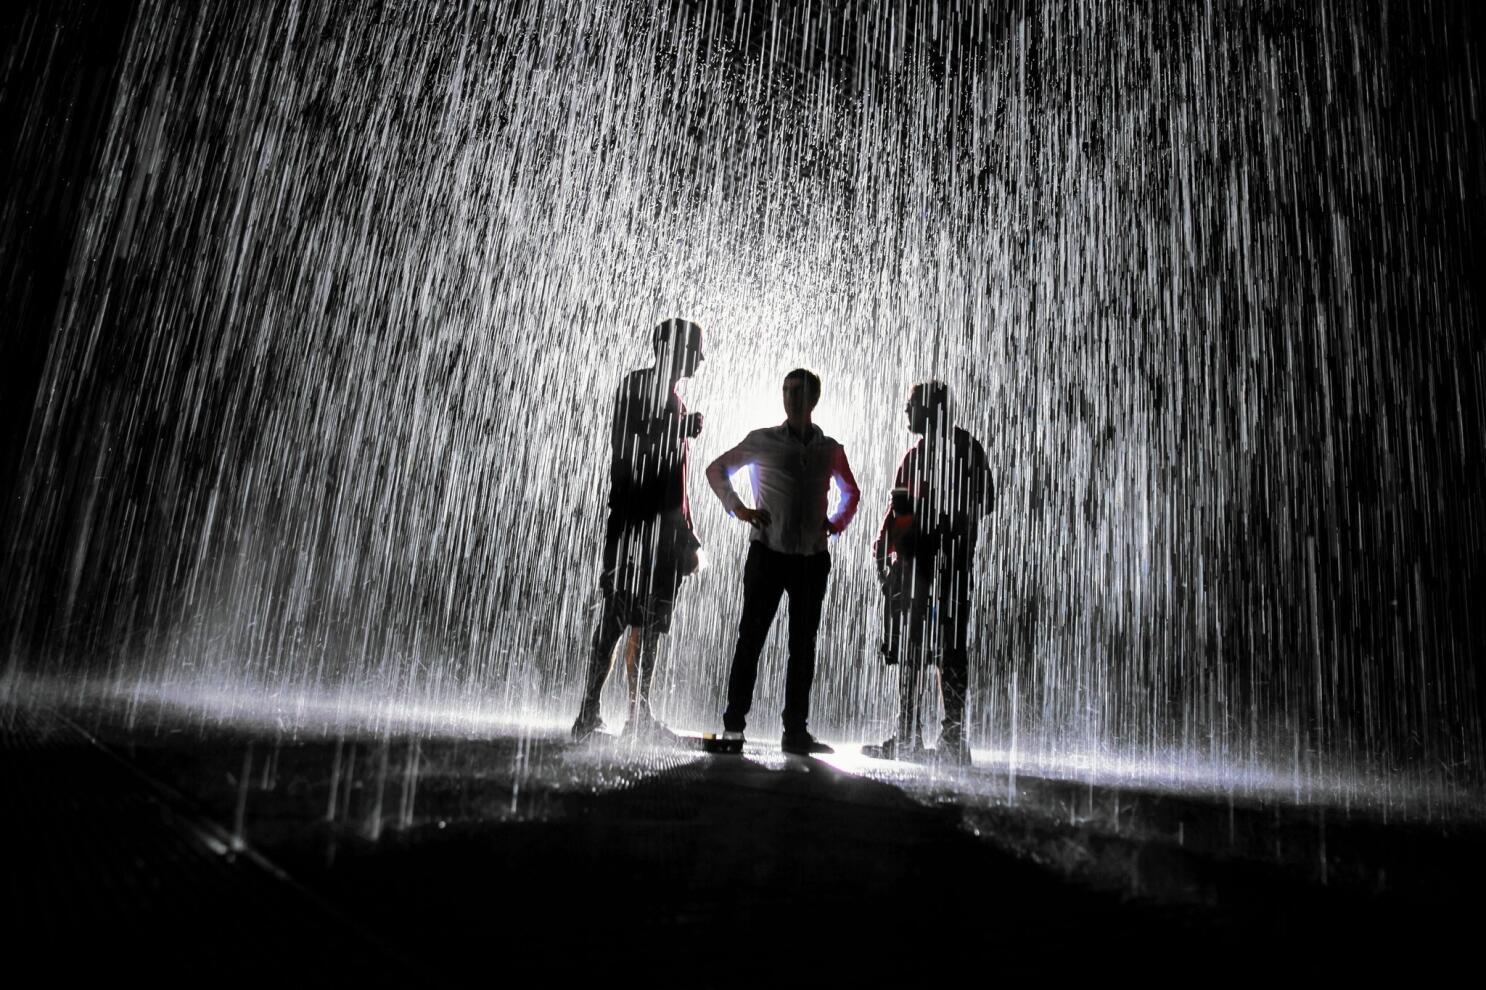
point(851, 495)
point(986, 495)
point(622, 425)
point(644, 420)
point(682, 541)
point(882, 547)
point(718, 476)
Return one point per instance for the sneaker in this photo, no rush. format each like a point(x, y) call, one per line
point(803, 744)
point(890, 750)
point(586, 726)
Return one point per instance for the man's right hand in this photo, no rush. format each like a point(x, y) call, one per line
point(754, 517)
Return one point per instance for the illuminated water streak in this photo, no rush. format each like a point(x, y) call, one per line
point(325, 406)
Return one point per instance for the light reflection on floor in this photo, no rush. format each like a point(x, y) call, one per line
point(997, 775)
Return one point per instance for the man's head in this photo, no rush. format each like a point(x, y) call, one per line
point(801, 393)
point(678, 347)
point(928, 407)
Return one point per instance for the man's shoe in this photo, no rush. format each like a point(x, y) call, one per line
point(890, 750)
point(730, 743)
point(586, 726)
point(803, 744)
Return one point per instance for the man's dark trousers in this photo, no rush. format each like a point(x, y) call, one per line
point(767, 576)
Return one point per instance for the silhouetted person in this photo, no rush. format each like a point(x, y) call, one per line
point(649, 546)
point(925, 552)
point(792, 467)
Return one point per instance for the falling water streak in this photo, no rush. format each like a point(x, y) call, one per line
point(324, 416)
point(409, 785)
point(350, 784)
point(374, 819)
point(335, 779)
point(240, 812)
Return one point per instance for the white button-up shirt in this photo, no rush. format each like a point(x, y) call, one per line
point(791, 479)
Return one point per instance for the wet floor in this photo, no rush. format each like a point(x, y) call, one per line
point(178, 849)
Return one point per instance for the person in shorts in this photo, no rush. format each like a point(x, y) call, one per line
point(649, 546)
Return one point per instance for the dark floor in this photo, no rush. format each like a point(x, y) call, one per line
point(209, 855)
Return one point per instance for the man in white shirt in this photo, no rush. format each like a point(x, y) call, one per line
point(792, 466)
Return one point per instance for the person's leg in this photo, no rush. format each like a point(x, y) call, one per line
point(954, 678)
point(631, 653)
point(909, 738)
point(894, 613)
point(648, 646)
point(611, 626)
point(896, 610)
point(807, 582)
point(914, 660)
point(655, 621)
point(614, 573)
point(762, 587)
point(954, 667)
